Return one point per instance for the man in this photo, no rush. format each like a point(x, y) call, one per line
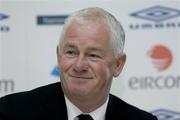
point(89, 54)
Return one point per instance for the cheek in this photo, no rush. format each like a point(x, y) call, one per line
point(103, 71)
point(64, 64)
point(104, 75)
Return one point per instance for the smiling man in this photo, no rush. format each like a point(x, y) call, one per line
point(89, 54)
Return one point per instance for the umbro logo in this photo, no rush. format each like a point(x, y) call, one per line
point(164, 114)
point(156, 13)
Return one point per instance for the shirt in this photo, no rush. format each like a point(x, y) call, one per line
point(73, 111)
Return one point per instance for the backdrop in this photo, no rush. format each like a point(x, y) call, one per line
point(29, 33)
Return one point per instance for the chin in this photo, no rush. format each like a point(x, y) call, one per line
point(80, 91)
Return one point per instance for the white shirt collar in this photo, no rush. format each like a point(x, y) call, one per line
point(73, 111)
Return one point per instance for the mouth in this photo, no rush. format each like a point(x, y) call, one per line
point(81, 77)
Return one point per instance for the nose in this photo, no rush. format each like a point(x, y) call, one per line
point(81, 64)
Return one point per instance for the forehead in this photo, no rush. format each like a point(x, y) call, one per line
point(88, 32)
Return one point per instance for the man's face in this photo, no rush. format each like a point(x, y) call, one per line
point(86, 61)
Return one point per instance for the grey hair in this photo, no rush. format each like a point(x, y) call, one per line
point(117, 34)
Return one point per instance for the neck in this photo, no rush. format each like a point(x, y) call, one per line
point(88, 105)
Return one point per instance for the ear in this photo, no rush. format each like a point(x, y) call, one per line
point(119, 64)
point(58, 54)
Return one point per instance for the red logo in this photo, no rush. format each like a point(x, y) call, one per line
point(161, 57)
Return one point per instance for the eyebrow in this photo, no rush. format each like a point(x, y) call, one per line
point(95, 49)
point(71, 45)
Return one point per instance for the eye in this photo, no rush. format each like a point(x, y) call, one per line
point(94, 55)
point(70, 53)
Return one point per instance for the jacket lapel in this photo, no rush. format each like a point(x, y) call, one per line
point(116, 109)
point(55, 106)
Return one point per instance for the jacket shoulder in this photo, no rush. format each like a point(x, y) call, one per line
point(37, 93)
point(128, 112)
point(13, 105)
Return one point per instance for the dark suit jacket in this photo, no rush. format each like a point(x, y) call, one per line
point(48, 103)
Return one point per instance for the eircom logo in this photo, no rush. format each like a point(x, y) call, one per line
point(164, 114)
point(161, 57)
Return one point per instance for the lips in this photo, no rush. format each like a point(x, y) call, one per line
point(80, 76)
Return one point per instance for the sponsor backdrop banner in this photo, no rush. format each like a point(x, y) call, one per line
point(29, 33)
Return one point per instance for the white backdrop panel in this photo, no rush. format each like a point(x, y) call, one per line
point(28, 49)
